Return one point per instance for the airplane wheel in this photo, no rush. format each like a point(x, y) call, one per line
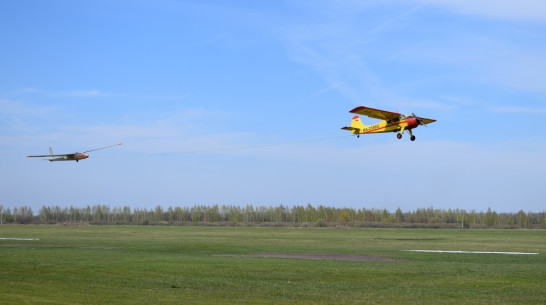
point(412, 138)
point(399, 136)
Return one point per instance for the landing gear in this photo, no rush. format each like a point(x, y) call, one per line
point(399, 135)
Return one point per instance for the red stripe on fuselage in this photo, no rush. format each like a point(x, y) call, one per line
point(385, 127)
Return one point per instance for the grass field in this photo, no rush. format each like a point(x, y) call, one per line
point(223, 265)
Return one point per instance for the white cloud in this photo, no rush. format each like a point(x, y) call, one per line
point(522, 110)
point(179, 130)
point(17, 109)
point(346, 52)
point(81, 93)
point(71, 93)
point(481, 57)
point(14, 114)
point(505, 9)
point(523, 69)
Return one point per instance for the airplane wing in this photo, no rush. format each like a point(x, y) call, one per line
point(44, 156)
point(427, 121)
point(376, 113)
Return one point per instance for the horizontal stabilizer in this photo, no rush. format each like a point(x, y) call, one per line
point(350, 128)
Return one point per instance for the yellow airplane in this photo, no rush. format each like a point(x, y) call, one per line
point(391, 122)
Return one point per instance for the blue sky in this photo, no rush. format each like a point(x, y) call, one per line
point(197, 90)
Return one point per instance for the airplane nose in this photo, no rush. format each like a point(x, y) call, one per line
point(412, 123)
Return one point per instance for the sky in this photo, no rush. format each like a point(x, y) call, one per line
point(241, 103)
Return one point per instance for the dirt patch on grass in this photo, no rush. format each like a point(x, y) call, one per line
point(31, 246)
point(330, 256)
point(100, 247)
point(59, 246)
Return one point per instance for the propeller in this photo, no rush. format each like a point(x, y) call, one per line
point(419, 121)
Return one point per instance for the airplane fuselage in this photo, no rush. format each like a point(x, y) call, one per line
point(70, 157)
point(395, 125)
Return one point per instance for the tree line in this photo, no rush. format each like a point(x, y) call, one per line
point(267, 215)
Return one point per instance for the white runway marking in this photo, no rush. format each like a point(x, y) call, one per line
point(6, 238)
point(475, 252)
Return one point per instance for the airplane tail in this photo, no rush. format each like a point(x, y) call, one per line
point(356, 125)
point(50, 154)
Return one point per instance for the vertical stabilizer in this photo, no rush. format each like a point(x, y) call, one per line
point(357, 123)
point(356, 126)
point(50, 154)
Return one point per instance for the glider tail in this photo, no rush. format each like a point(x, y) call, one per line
point(356, 125)
point(50, 154)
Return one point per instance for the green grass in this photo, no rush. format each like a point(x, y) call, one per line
point(177, 265)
